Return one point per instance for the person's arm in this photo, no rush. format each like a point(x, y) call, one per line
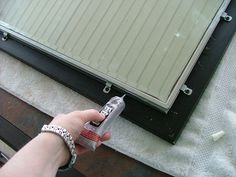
point(43, 155)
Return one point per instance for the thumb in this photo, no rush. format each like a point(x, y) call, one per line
point(89, 115)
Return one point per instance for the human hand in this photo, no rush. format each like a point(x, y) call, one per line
point(74, 123)
point(45, 153)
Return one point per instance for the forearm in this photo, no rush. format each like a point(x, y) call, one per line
point(41, 157)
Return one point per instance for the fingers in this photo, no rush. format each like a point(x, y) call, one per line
point(88, 115)
point(106, 136)
point(81, 150)
point(92, 115)
point(98, 144)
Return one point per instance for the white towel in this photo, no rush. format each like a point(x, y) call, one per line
point(195, 153)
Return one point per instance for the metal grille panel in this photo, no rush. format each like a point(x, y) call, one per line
point(142, 45)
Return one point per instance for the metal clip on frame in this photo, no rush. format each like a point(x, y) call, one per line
point(186, 90)
point(5, 36)
point(226, 17)
point(107, 87)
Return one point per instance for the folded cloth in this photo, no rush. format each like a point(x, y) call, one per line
point(195, 153)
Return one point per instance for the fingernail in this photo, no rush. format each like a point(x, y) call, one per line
point(103, 116)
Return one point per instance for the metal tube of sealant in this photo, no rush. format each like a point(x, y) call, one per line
point(93, 131)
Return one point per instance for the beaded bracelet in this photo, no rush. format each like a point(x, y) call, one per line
point(67, 138)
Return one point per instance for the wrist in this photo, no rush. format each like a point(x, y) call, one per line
point(57, 148)
point(64, 135)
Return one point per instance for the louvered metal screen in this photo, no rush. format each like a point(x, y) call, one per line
point(146, 47)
